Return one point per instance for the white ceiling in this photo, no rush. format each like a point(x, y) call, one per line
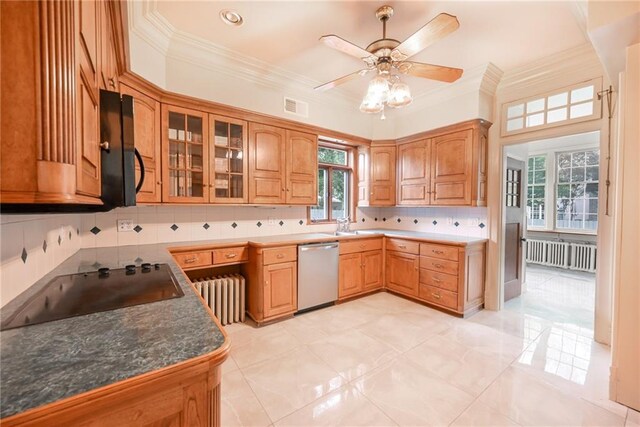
point(284, 34)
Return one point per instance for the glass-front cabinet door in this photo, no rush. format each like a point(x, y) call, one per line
point(228, 154)
point(186, 154)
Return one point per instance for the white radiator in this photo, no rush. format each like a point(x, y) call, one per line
point(546, 252)
point(224, 295)
point(583, 257)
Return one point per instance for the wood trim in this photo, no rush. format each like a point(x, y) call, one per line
point(119, 26)
point(445, 130)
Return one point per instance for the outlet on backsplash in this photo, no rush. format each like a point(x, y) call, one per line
point(125, 225)
point(271, 221)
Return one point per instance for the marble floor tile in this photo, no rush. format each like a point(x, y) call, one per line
point(229, 365)
point(240, 407)
point(303, 329)
point(480, 415)
point(265, 346)
point(288, 383)
point(512, 323)
point(412, 397)
point(633, 418)
point(457, 364)
point(528, 400)
point(343, 407)
point(352, 353)
point(397, 331)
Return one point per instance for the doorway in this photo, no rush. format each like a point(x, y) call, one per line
point(551, 199)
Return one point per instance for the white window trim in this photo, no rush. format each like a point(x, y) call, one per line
point(597, 108)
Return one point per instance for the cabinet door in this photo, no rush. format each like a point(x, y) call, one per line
point(184, 155)
point(108, 76)
point(267, 156)
point(383, 176)
point(228, 147)
point(350, 275)
point(302, 168)
point(280, 289)
point(413, 173)
point(371, 270)
point(403, 272)
point(451, 168)
point(363, 176)
point(146, 135)
point(88, 178)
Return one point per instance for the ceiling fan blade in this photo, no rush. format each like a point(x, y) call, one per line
point(342, 45)
point(439, 27)
point(430, 71)
point(341, 80)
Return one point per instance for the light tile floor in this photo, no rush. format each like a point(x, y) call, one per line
point(384, 361)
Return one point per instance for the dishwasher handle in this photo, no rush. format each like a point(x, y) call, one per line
point(318, 246)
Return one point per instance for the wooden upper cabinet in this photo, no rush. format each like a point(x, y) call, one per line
point(185, 155)
point(267, 164)
point(108, 76)
point(301, 168)
point(147, 138)
point(364, 176)
point(414, 173)
point(229, 176)
point(451, 169)
point(383, 176)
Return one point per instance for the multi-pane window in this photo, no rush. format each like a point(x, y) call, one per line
point(577, 190)
point(536, 181)
point(513, 188)
point(334, 185)
point(576, 103)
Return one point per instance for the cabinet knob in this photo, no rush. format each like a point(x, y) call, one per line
point(231, 255)
point(436, 296)
point(280, 256)
point(159, 182)
point(437, 252)
point(190, 260)
point(266, 283)
point(105, 145)
point(112, 82)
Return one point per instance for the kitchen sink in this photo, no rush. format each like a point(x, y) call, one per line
point(349, 233)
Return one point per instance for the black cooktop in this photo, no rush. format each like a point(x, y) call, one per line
point(103, 290)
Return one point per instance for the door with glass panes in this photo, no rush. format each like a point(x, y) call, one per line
point(185, 155)
point(228, 171)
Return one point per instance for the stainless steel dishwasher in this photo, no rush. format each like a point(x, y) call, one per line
point(317, 274)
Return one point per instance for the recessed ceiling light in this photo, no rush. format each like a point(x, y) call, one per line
point(231, 17)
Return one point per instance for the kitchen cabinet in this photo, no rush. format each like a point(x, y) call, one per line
point(451, 168)
point(108, 76)
point(272, 275)
point(414, 173)
point(229, 161)
point(301, 168)
point(364, 178)
point(382, 175)
point(402, 272)
point(349, 275)
point(147, 136)
point(185, 151)
point(267, 164)
point(360, 267)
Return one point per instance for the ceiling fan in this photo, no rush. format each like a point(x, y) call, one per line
point(386, 54)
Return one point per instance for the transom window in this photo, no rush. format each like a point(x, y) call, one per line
point(536, 183)
point(572, 104)
point(334, 185)
point(577, 190)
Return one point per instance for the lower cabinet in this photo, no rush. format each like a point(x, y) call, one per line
point(272, 275)
point(403, 272)
point(360, 267)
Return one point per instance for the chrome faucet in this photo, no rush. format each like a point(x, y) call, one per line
point(343, 224)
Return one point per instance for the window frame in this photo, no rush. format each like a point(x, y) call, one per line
point(545, 197)
point(330, 167)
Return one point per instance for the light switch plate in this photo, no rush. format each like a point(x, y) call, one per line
point(271, 221)
point(125, 225)
point(449, 221)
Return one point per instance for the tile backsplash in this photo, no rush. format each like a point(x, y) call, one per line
point(32, 245)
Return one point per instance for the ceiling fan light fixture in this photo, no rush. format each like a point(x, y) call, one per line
point(231, 17)
point(378, 89)
point(399, 95)
point(371, 105)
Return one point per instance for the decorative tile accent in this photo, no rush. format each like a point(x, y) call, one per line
point(137, 228)
point(415, 221)
point(24, 255)
point(456, 223)
point(174, 227)
point(234, 225)
point(206, 226)
point(59, 240)
point(375, 219)
point(77, 231)
point(95, 230)
point(362, 219)
point(481, 225)
point(44, 246)
point(302, 222)
point(281, 223)
point(259, 224)
point(384, 219)
point(399, 220)
point(434, 222)
point(69, 235)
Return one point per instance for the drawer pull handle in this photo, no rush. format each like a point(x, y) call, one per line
point(280, 256)
point(363, 246)
point(437, 280)
point(231, 255)
point(436, 296)
point(438, 266)
point(402, 246)
point(190, 260)
point(437, 252)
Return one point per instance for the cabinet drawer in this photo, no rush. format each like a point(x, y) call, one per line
point(277, 255)
point(228, 255)
point(439, 265)
point(406, 246)
point(439, 280)
point(439, 251)
point(194, 259)
point(439, 296)
point(360, 245)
